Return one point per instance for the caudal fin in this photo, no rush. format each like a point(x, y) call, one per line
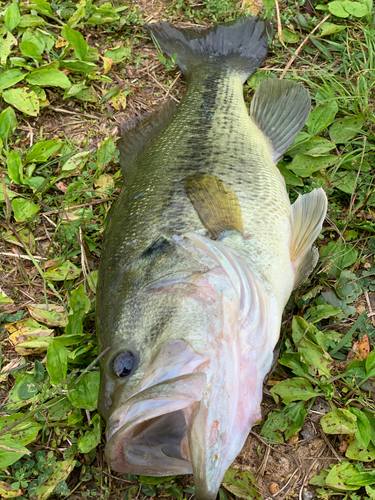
point(239, 45)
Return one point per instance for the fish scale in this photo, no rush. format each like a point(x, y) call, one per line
point(212, 134)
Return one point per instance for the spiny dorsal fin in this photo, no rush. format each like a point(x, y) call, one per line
point(216, 204)
point(137, 132)
point(307, 216)
point(280, 108)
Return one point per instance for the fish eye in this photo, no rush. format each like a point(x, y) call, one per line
point(123, 364)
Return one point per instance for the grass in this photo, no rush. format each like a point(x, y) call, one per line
point(59, 177)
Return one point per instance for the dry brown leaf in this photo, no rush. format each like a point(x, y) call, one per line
point(253, 6)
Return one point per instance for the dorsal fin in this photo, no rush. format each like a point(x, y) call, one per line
point(216, 205)
point(137, 132)
point(307, 216)
point(280, 108)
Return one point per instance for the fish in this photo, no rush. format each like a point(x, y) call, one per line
point(200, 255)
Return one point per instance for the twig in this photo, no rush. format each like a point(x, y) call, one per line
point(162, 87)
point(330, 446)
point(279, 28)
point(294, 56)
point(20, 256)
point(371, 313)
point(60, 110)
point(285, 485)
point(93, 202)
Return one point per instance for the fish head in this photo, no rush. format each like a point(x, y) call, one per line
point(186, 401)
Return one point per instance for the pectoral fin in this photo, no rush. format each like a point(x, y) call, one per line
point(216, 205)
point(280, 108)
point(307, 216)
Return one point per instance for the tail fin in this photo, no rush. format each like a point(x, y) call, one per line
point(240, 45)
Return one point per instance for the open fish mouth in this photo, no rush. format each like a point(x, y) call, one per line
point(149, 434)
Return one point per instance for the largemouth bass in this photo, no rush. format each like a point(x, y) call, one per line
point(200, 256)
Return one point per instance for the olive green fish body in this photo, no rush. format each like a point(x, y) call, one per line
point(199, 257)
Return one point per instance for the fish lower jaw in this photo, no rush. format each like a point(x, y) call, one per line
point(157, 445)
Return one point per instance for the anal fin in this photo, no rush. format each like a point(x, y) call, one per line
point(307, 216)
point(216, 204)
point(280, 108)
point(137, 132)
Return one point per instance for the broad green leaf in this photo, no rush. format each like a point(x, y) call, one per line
point(289, 177)
point(4, 299)
point(27, 390)
point(370, 365)
point(87, 94)
point(57, 362)
point(289, 420)
point(106, 152)
point(289, 36)
point(340, 475)
point(14, 165)
point(64, 271)
point(339, 421)
point(75, 38)
point(6, 45)
point(312, 146)
point(330, 29)
point(340, 255)
point(20, 436)
point(322, 117)
point(346, 129)
point(362, 479)
point(319, 479)
point(53, 316)
point(23, 99)
point(155, 480)
point(43, 7)
point(60, 472)
point(29, 36)
point(30, 21)
point(293, 389)
point(75, 161)
point(39, 372)
point(344, 181)
point(10, 78)
point(347, 287)
point(43, 150)
point(91, 439)
point(12, 16)
point(241, 484)
point(356, 9)
point(76, 17)
point(79, 305)
point(337, 9)
point(48, 40)
point(24, 210)
point(8, 124)
point(78, 66)
point(305, 165)
point(60, 410)
point(317, 313)
point(356, 451)
point(117, 54)
point(86, 391)
point(14, 401)
point(7, 490)
point(49, 78)
point(363, 433)
point(31, 50)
